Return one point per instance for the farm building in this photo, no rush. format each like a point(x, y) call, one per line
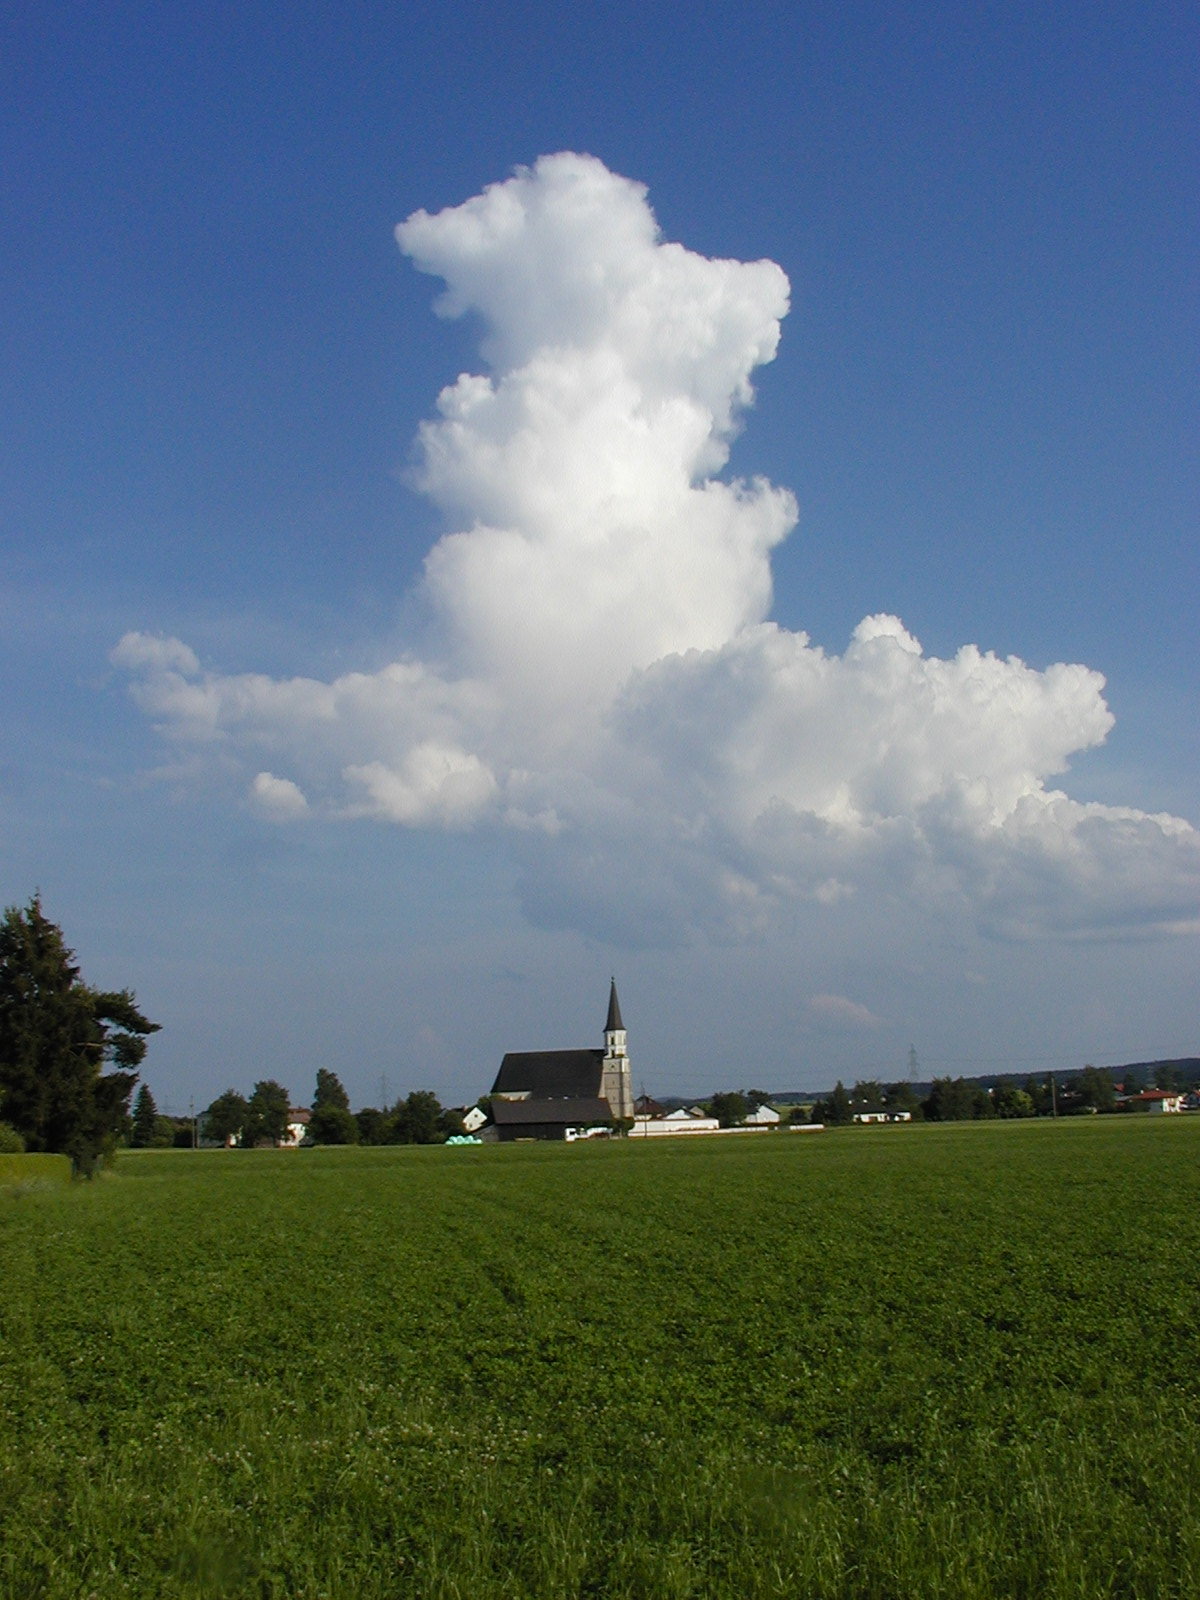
point(679, 1122)
point(541, 1094)
point(297, 1127)
point(1158, 1102)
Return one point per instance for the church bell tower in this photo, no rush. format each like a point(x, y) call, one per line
point(616, 1084)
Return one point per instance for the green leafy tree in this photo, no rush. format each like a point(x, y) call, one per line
point(56, 1036)
point(374, 1125)
point(729, 1108)
point(418, 1119)
point(902, 1097)
point(11, 1142)
point(330, 1124)
point(330, 1091)
point(450, 1122)
point(1095, 1089)
point(266, 1113)
point(1012, 1102)
point(1038, 1090)
point(332, 1121)
point(145, 1118)
point(835, 1109)
point(226, 1118)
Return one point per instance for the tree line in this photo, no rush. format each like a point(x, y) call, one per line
point(968, 1100)
point(262, 1119)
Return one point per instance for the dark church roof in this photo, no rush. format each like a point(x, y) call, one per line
point(550, 1074)
point(614, 1011)
point(577, 1109)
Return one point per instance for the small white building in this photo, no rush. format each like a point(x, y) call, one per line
point(473, 1120)
point(762, 1117)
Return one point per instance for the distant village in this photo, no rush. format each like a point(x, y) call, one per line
point(570, 1095)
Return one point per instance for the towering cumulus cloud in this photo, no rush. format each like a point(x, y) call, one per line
point(605, 683)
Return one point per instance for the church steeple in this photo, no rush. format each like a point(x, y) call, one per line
point(614, 1023)
point(616, 1082)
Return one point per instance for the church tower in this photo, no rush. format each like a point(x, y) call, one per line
point(616, 1084)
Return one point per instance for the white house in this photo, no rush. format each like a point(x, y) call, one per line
point(473, 1120)
point(1159, 1102)
point(762, 1117)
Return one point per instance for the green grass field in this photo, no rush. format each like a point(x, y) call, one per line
point(934, 1361)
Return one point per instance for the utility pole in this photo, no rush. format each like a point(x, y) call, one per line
point(1053, 1097)
point(195, 1130)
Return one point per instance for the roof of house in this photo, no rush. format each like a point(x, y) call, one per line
point(550, 1074)
point(613, 1021)
point(567, 1109)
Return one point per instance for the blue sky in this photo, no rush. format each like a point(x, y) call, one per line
point(983, 402)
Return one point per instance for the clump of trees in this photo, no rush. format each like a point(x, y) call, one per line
point(420, 1118)
point(57, 1037)
point(260, 1120)
point(150, 1130)
point(868, 1096)
point(732, 1106)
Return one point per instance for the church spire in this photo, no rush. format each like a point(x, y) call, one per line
point(616, 1079)
point(614, 1023)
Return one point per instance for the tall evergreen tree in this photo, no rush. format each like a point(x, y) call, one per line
point(56, 1036)
point(145, 1118)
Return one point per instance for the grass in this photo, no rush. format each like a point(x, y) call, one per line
point(22, 1174)
point(942, 1361)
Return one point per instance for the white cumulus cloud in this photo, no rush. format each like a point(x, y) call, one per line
point(278, 797)
point(841, 1012)
point(608, 687)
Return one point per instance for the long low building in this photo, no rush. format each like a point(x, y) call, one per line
point(548, 1119)
point(670, 1127)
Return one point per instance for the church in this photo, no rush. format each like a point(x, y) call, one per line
point(549, 1094)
